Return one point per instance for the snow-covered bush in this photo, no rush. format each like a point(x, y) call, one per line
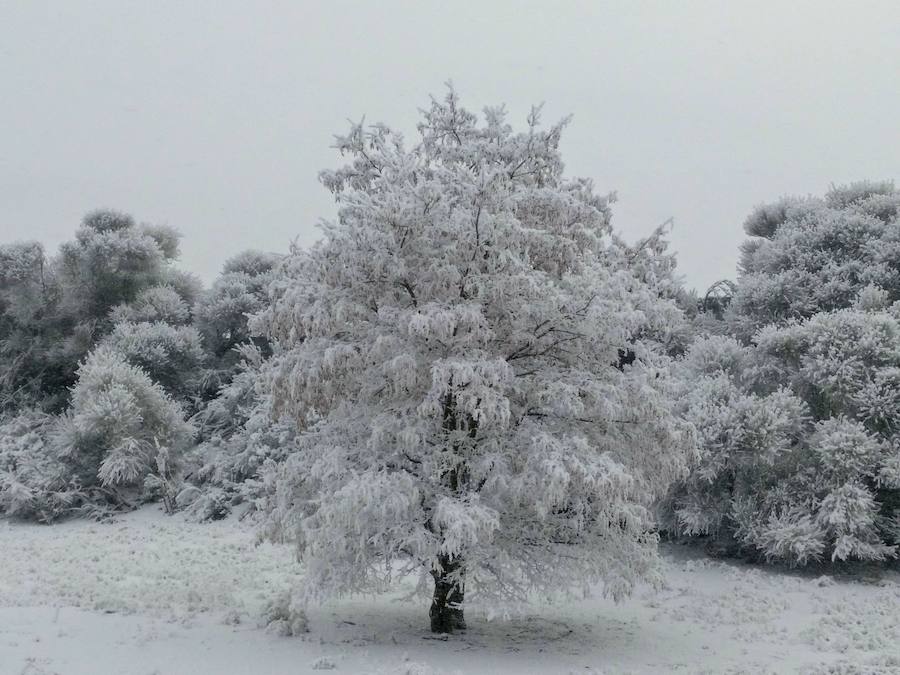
point(222, 314)
point(746, 438)
point(846, 366)
point(800, 440)
point(109, 263)
point(34, 483)
point(173, 356)
point(22, 266)
point(242, 439)
point(799, 413)
point(119, 423)
point(29, 337)
point(478, 370)
point(285, 616)
point(201, 504)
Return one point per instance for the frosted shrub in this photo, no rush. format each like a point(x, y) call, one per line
point(222, 314)
point(285, 616)
point(34, 483)
point(118, 422)
point(242, 434)
point(27, 289)
point(800, 440)
point(747, 438)
point(845, 362)
point(110, 261)
point(54, 310)
point(210, 502)
point(799, 412)
point(173, 356)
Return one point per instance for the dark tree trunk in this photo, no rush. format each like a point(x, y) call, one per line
point(449, 578)
point(447, 604)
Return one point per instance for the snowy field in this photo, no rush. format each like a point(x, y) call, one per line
point(148, 594)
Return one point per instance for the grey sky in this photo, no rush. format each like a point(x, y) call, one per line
point(215, 117)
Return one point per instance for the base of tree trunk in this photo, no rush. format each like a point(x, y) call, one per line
point(446, 611)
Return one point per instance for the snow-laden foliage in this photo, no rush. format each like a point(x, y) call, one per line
point(812, 255)
point(478, 369)
point(222, 313)
point(34, 482)
point(173, 356)
point(22, 266)
point(799, 413)
point(746, 437)
point(157, 303)
point(29, 338)
point(243, 442)
point(119, 424)
point(54, 310)
point(801, 449)
point(110, 262)
point(114, 289)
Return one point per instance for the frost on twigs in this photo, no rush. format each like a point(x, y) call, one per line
point(451, 353)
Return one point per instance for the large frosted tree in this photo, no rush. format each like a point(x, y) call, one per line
point(478, 370)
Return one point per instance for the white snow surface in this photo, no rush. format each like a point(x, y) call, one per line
point(149, 594)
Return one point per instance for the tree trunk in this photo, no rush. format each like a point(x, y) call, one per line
point(447, 604)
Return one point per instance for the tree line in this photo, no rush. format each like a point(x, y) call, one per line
point(470, 378)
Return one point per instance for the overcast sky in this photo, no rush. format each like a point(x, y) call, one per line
point(215, 117)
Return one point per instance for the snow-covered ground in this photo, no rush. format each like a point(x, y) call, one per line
point(148, 594)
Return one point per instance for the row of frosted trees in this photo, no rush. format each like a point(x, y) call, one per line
point(470, 378)
point(111, 361)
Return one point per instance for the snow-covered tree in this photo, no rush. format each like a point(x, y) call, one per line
point(478, 370)
point(110, 262)
point(156, 303)
point(54, 310)
point(798, 415)
point(812, 255)
point(242, 442)
point(222, 313)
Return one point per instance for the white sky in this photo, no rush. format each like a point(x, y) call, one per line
point(215, 117)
